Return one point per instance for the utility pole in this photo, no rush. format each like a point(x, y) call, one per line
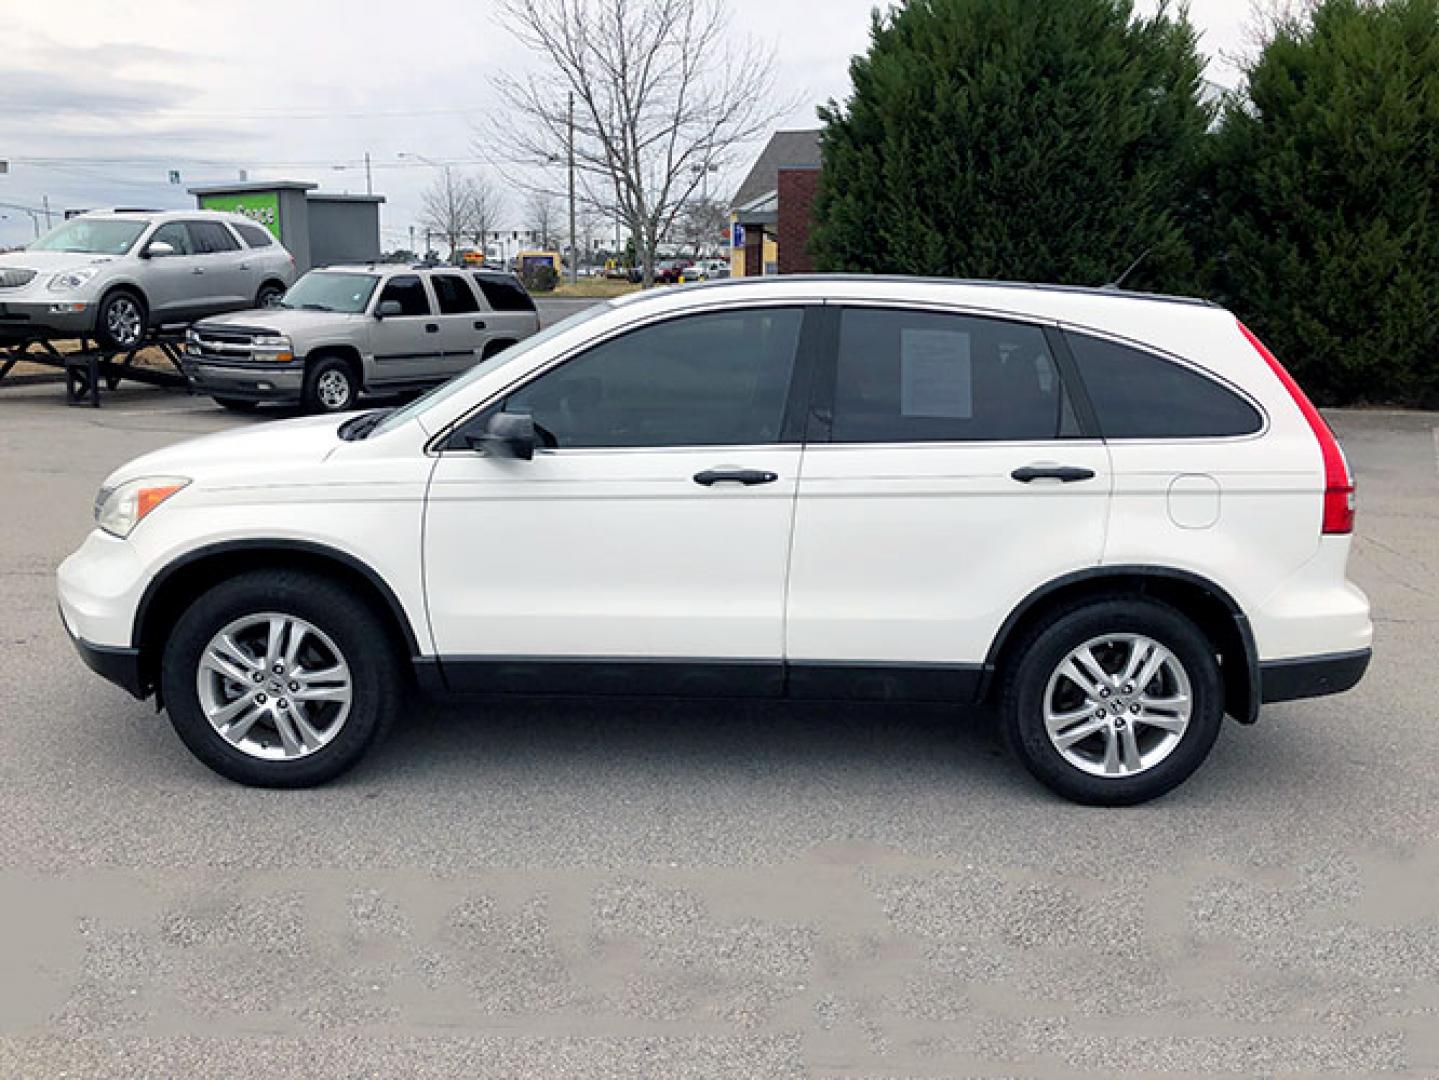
point(45, 202)
point(574, 252)
point(412, 241)
point(369, 184)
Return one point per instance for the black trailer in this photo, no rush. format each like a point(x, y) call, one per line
point(87, 367)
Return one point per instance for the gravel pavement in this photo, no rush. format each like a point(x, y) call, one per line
point(569, 889)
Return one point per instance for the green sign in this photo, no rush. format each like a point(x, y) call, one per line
point(261, 206)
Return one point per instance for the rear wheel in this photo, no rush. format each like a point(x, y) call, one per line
point(330, 386)
point(279, 679)
point(269, 295)
point(1114, 703)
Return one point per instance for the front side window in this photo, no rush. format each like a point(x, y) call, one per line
point(211, 238)
point(702, 380)
point(916, 376)
point(408, 291)
point(92, 236)
point(1138, 395)
point(453, 294)
point(176, 235)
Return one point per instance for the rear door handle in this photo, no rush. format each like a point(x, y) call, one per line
point(432, 328)
point(747, 477)
point(479, 324)
point(197, 269)
point(1065, 474)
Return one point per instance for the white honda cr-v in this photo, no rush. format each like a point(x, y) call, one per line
point(1115, 516)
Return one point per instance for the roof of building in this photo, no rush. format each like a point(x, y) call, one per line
point(797, 149)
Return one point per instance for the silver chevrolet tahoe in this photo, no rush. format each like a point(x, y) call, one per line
point(345, 330)
point(115, 275)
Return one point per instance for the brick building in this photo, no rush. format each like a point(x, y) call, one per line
point(772, 208)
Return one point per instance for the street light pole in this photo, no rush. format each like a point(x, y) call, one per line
point(574, 252)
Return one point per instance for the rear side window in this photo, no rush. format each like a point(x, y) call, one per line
point(453, 294)
point(1138, 395)
point(504, 294)
point(211, 237)
point(254, 235)
point(409, 292)
point(916, 376)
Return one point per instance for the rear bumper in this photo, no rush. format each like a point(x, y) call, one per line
point(1311, 676)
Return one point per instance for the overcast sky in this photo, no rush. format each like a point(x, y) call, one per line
point(113, 94)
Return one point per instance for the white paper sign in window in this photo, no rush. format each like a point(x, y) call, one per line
point(936, 376)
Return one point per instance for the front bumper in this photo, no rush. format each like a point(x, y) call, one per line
point(21, 319)
point(248, 380)
point(1312, 676)
point(120, 666)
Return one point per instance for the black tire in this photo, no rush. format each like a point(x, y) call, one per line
point(1041, 653)
point(269, 294)
point(322, 377)
point(239, 405)
point(121, 308)
point(357, 631)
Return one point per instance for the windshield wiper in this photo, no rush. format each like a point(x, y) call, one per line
point(360, 427)
point(315, 307)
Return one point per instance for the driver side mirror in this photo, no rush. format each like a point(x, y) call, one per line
point(158, 249)
point(388, 309)
point(507, 435)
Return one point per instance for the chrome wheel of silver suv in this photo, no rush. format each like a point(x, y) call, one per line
point(124, 321)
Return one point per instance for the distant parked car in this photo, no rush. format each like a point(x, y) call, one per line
point(706, 270)
point(349, 329)
point(668, 272)
point(113, 276)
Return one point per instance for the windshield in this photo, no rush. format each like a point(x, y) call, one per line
point(93, 236)
point(445, 390)
point(346, 294)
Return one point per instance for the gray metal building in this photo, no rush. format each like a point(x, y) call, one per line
point(317, 228)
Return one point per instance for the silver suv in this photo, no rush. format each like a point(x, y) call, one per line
point(348, 329)
point(114, 275)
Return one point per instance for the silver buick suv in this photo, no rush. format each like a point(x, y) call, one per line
point(115, 275)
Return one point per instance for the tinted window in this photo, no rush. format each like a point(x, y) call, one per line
point(910, 376)
point(504, 294)
point(255, 235)
point(176, 235)
point(705, 380)
point(210, 237)
point(1138, 395)
point(453, 294)
point(409, 293)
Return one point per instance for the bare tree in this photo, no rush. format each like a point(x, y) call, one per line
point(702, 225)
point(487, 207)
point(543, 218)
point(663, 90)
point(448, 209)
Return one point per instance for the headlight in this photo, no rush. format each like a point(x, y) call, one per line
point(119, 509)
point(72, 279)
point(272, 347)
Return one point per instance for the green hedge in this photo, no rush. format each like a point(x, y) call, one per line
point(1059, 141)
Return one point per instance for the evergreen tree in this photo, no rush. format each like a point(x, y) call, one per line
point(1327, 200)
point(1020, 140)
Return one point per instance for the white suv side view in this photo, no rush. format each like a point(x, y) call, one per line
point(1115, 516)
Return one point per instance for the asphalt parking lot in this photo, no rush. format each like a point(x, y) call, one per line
point(618, 889)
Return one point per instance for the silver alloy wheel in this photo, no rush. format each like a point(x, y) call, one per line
point(274, 686)
point(1118, 705)
point(123, 321)
point(333, 389)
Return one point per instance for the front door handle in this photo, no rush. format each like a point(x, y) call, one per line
point(479, 324)
point(432, 328)
point(1065, 474)
point(197, 269)
point(747, 477)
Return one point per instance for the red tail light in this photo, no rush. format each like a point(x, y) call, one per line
point(1338, 481)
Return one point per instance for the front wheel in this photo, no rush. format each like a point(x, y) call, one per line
point(121, 322)
point(330, 386)
point(1113, 703)
point(279, 679)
